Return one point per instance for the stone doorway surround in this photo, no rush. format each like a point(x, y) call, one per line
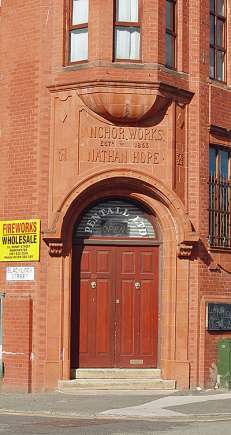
point(178, 239)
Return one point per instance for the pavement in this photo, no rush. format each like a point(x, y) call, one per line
point(204, 405)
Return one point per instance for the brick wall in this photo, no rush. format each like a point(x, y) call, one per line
point(24, 157)
point(17, 339)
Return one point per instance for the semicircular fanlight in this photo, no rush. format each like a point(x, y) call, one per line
point(115, 219)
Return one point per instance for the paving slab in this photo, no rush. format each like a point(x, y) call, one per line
point(207, 408)
point(158, 405)
point(85, 403)
point(174, 406)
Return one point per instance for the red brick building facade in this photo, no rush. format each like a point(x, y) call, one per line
point(115, 132)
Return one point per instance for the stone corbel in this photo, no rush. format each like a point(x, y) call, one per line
point(214, 267)
point(55, 247)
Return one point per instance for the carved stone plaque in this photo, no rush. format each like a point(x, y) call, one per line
point(83, 143)
point(102, 143)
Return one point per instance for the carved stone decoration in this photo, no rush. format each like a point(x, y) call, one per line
point(127, 102)
point(126, 107)
point(185, 250)
point(55, 247)
point(180, 150)
point(63, 160)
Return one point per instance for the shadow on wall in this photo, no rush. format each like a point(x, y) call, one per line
point(200, 251)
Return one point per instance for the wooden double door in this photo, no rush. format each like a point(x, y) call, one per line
point(115, 306)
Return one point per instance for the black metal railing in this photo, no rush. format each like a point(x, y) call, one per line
point(219, 212)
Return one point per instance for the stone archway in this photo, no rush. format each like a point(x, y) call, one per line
point(178, 239)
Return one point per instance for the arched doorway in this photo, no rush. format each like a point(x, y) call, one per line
point(115, 286)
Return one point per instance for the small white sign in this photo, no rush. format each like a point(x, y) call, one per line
point(20, 273)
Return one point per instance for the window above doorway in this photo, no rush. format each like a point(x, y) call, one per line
point(115, 219)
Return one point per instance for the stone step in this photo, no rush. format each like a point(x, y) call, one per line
point(115, 384)
point(116, 373)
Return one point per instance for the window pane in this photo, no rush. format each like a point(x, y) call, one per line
point(170, 12)
point(135, 45)
point(122, 43)
point(212, 5)
point(220, 7)
point(168, 15)
point(127, 10)
point(220, 33)
point(127, 43)
point(212, 29)
point(79, 45)
point(80, 12)
point(212, 63)
point(212, 161)
point(170, 50)
point(220, 66)
point(223, 163)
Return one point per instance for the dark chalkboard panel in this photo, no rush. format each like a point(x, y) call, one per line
point(219, 317)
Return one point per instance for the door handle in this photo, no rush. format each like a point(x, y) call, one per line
point(137, 285)
point(93, 284)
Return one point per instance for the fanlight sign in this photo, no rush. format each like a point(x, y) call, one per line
point(114, 218)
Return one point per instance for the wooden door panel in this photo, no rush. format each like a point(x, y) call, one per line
point(146, 336)
point(96, 316)
point(85, 305)
point(103, 261)
point(127, 262)
point(86, 262)
point(146, 262)
point(137, 314)
point(104, 324)
point(126, 321)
